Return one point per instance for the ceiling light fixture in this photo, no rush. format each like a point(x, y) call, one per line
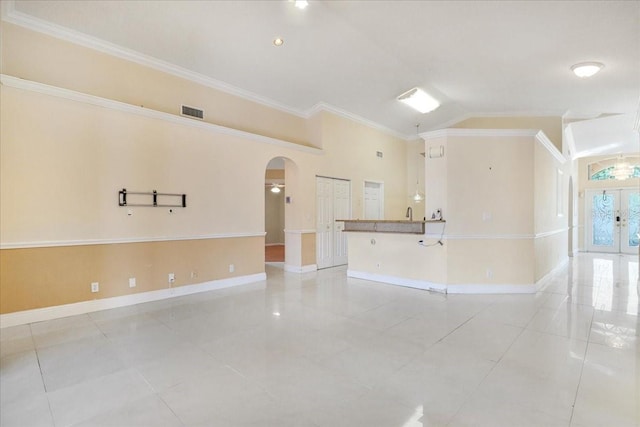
point(275, 188)
point(586, 69)
point(420, 100)
point(622, 170)
point(301, 4)
point(278, 41)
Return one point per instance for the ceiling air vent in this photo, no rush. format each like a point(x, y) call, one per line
point(192, 112)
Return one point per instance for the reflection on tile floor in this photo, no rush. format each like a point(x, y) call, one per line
point(320, 349)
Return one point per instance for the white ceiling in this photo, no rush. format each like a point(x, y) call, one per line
point(476, 57)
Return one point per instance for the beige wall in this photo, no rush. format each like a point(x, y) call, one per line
point(502, 232)
point(62, 162)
point(551, 126)
point(43, 277)
point(45, 59)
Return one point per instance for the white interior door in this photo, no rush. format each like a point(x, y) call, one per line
point(373, 200)
point(613, 217)
point(324, 222)
point(342, 210)
point(333, 202)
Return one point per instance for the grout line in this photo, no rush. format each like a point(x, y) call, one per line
point(584, 359)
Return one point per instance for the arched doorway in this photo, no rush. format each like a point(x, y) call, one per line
point(274, 215)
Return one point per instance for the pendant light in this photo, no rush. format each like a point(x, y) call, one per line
point(418, 197)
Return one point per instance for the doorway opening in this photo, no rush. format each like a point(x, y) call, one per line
point(613, 220)
point(274, 211)
point(373, 200)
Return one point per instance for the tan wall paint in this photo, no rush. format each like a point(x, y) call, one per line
point(551, 126)
point(397, 255)
point(45, 59)
point(43, 277)
point(492, 175)
point(510, 261)
point(351, 154)
point(308, 249)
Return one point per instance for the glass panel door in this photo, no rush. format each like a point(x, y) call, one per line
point(603, 234)
point(613, 221)
point(629, 221)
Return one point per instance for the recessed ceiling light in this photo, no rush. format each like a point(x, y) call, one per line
point(278, 41)
point(419, 100)
point(586, 69)
point(301, 4)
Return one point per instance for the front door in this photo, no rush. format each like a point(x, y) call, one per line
point(613, 217)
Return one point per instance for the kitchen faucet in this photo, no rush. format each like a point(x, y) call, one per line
point(410, 213)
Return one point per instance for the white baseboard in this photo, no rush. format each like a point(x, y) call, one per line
point(491, 289)
point(55, 312)
point(400, 281)
point(304, 269)
point(544, 279)
point(439, 287)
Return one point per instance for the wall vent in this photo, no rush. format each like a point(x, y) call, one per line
point(192, 112)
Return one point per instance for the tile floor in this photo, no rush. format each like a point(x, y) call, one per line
point(320, 349)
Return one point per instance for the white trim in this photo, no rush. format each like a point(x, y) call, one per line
point(18, 18)
point(462, 132)
point(300, 269)
point(399, 281)
point(44, 89)
point(324, 107)
point(55, 312)
point(546, 143)
point(540, 284)
point(305, 231)
point(10, 14)
point(495, 236)
point(491, 289)
point(535, 133)
point(87, 242)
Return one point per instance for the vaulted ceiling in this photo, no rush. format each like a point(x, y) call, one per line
point(478, 58)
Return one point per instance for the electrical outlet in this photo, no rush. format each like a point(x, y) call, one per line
point(172, 277)
point(95, 287)
point(489, 273)
point(132, 282)
point(232, 268)
point(194, 274)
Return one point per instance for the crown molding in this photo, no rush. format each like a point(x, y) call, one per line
point(44, 89)
point(324, 107)
point(535, 133)
point(11, 15)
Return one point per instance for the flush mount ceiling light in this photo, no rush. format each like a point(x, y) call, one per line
point(420, 100)
point(301, 4)
point(586, 69)
point(278, 41)
point(275, 188)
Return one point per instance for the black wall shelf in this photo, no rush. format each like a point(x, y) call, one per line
point(180, 199)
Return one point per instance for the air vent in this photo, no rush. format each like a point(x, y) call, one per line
point(192, 112)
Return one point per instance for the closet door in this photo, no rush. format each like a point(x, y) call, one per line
point(324, 222)
point(342, 210)
point(333, 201)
